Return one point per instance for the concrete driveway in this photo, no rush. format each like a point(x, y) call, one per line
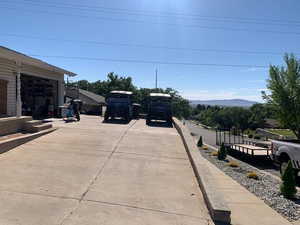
point(91, 172)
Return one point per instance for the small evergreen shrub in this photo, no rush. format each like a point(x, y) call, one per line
point(222, 153)
point(233, 164)
point(250, 135)
point(288, 186)
point(200, 142)
point(252, 175)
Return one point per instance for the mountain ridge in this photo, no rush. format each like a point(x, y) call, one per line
point(224, 102)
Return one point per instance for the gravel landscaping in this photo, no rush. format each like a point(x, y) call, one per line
point(266, 187)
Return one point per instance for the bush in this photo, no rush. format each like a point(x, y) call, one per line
point(200, 142)
point(222, 153)
point(233, 164)
point(214, 153)
point(250, 135)
point(288, 186)
point(257, 137)
point(252, 175)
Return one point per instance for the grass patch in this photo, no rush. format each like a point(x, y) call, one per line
point(283, 132)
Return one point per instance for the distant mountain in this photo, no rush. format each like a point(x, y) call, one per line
point(225, 102)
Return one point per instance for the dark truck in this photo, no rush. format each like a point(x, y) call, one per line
point(159, 108)
point(119, 104)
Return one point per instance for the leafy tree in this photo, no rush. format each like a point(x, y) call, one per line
point(284, 87)
point(258, 116)
point(288, 186)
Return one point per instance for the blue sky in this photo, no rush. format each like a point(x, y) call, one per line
point(265, 26)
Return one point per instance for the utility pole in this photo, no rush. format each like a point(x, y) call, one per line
point(156, 79)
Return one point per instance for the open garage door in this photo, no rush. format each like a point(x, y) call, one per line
point(39, 96)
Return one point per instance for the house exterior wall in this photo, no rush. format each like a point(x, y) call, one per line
point(8, 70)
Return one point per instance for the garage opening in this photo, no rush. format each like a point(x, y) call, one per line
point(39, 96)
point(3, 98)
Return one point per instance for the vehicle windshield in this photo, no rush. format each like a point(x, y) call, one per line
point(118, 98)
point(160, 101)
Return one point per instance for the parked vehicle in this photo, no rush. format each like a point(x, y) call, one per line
point(285, 150)
point(119, 104)
point(159, 108)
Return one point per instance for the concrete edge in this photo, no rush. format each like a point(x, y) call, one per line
point(215, 202)
point(9, 144)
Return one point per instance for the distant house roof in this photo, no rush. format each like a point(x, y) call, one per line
point(17, 56)
point(97, 98)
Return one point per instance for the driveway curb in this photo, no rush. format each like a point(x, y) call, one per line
point(215, 202)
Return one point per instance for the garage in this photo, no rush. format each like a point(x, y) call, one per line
point(39, 96)
point(29, 86)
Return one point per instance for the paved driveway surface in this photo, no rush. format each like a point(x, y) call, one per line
point(100, 173)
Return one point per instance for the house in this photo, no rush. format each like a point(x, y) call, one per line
point(91, 103)
point(29, 86)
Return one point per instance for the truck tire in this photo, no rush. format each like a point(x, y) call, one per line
point(106, 116)
point(148, 120)
point(283, 166)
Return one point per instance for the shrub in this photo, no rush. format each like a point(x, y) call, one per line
point(214, 153)
point(200, 142)
point(257, 137)
point(250, 135)
point(288, 186)
point(205, 148)
point(222, 153)
point(233, 164)
point(252, 175)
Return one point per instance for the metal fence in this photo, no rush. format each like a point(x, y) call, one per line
point(229, 137)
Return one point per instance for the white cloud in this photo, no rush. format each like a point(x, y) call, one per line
point(255, 69)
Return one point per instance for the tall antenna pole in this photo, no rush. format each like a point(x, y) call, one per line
point(156, 78)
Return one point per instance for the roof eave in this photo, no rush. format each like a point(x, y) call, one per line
point(19, 57)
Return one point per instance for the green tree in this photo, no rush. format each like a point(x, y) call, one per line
point(288, 186)
point(258, 116)
point(284, 87)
